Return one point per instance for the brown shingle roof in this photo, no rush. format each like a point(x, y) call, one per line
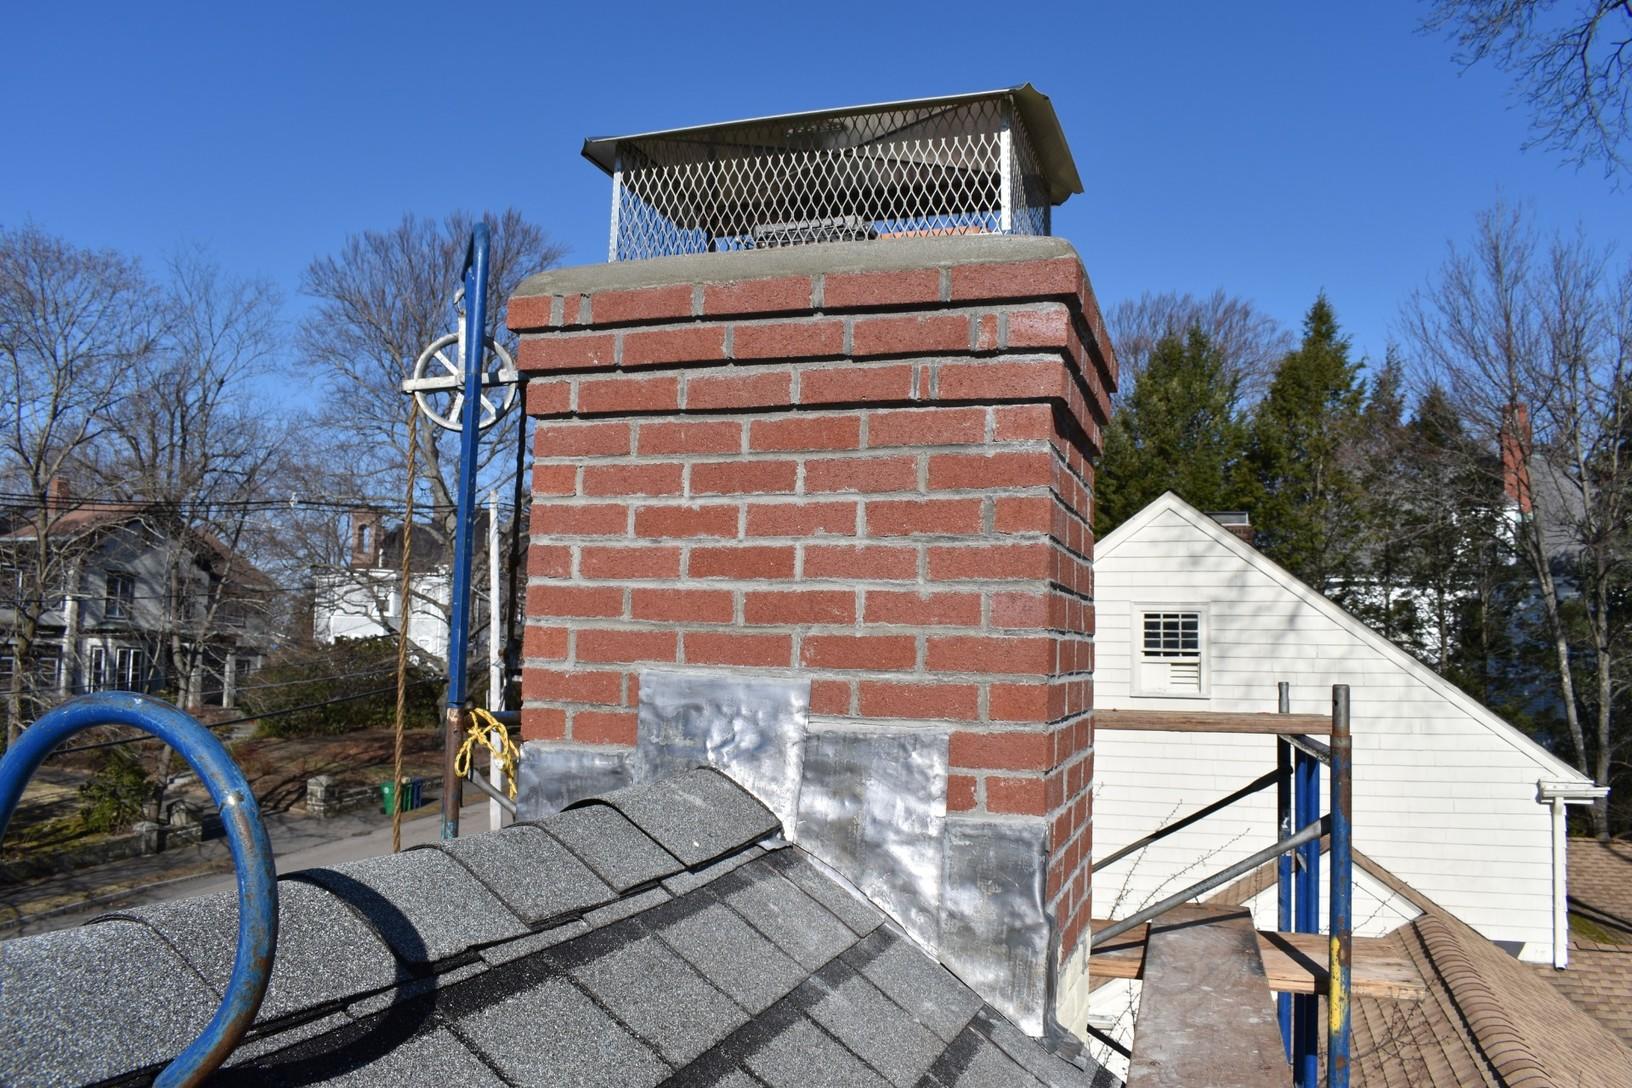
point(1601, 883)
point(1599, 982)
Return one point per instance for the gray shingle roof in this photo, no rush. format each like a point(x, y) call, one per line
point(643, 940)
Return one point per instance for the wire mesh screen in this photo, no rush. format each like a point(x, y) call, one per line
point(959, 168)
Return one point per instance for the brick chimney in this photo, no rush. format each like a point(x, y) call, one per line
point(866, 465)
point(1516, 447)
point(365, 539)
point(1236, 521)
point(59, 495)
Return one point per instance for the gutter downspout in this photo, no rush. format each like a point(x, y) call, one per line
point(1556, 795)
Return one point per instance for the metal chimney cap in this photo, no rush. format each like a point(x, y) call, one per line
point(1058, 169)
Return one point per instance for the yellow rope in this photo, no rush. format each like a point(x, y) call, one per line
point(480, 733)
point(405, 609)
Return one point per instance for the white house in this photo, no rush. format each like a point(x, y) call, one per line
point(1191, 617)
point(363, 599)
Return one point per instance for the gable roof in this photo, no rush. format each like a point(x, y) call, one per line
point(660, 934)
point(1548, 765)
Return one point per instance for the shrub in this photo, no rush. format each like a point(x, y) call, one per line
point(318, 674)
point(113, 797)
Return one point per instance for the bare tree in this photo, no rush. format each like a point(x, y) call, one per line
point(1249, 341)
point(1532, 346)
point(381, 300)
point(74, 326)
point(195, 453)
point(1570, 67)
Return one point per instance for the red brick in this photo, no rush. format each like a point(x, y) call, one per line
point(1025, 380)
point(826, 432)
point(960, 793)
point(1020, 703)
point(1024, 611)
point(572, 685)
point(686, 521)
point(649, 479)
point(830, 696)
point(1017, 279)
point(990, 654)
point(581, 439)
point(598, 644)
point(1027, 751)
point(803, 339)
point(1023, 421)
point(711, 648)
point(986, 332)
point(683, 605)
point(768, 608)
point(624, 393)
point(744, 477)
point(926, 427)
point(549, 561)
point(571, 519)
point(544, 643)
point(543, 723)
point(549, 398)
point(861, 562)
point(529, 312)
point(1048, 327)
point(801, 518)
point(874, 653)
point(551, 479)
point(739, 388)
point(628, 563)
point(888, 699)
point(757, 296)
point(938, 517)
point(949, 471)
point(742, 563)
point(604, 726)
point(923, 609)
point(853, 290)
point(911, 334)
point(567, 351)
point(855, 384)
point(866, 474)
point(676, 344)
point(642, 304)
point(701, 436)
point(1030, 514)
point(1026, 796)
point(583, 601)
point(951, 562)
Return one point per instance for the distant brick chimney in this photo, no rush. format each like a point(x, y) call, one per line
point(1236, 521)
point(59, 495)
point(365, 539)
point(1516, 445)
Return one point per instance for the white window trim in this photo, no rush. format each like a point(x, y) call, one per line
point(1136, 648)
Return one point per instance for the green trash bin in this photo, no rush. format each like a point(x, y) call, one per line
point(390, 796)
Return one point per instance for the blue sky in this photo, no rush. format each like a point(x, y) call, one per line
point(1272, 149)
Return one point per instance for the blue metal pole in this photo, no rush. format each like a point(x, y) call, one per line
point(246, 836)
point(475, 334)
point(1306, 1007)
point(1283, 865)
point(1341, 894)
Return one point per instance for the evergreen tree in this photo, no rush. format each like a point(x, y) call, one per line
point(1177, 431)
point(1305, 494)
point(1383, 595)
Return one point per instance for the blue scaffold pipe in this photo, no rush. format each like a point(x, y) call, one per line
point(475, 335)
point(241, 817)
point(1306, 907)
point(1340, 897)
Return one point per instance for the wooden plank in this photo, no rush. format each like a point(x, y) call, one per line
point(1206, 1016)
point(1212, 721)
point(1294, 963)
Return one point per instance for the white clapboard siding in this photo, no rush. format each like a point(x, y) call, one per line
point(1444, 791)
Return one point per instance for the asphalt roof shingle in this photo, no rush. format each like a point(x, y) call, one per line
point(748, 968)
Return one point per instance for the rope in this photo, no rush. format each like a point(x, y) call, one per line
point(404, 610)
point(480, 732)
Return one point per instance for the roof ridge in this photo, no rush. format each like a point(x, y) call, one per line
point(1495, 1032)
